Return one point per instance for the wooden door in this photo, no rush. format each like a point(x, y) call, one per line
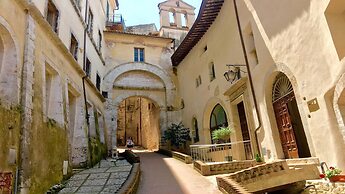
point(286, 131)
point(245, 131)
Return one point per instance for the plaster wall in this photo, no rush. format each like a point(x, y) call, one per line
point(294, 38)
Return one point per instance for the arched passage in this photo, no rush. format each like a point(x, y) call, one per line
point(122, 82)
point(138, 120)
point(288, 119)
point(9, 69)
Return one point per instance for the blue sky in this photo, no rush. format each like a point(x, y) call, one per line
point(146, 11)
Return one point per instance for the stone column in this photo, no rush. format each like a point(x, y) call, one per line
point(27, 94)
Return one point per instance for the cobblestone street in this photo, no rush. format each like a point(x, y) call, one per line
point(104, 178)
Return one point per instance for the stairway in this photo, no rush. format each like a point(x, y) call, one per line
point(272, 176)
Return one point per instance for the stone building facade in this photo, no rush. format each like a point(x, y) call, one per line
point(46, 88)
point(295, 57)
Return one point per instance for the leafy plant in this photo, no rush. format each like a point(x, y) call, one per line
point(332, 171)
point(222, 134)
point(177, 134)
point(258, 158)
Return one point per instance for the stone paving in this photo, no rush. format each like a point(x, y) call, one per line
point(104, 178)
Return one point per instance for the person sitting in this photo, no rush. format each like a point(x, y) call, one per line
point(130, 143)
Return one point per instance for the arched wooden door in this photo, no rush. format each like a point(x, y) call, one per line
point(291, 131)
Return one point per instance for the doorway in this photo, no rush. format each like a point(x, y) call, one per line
point(138, 119)
point(289, 123)
point(245, 131)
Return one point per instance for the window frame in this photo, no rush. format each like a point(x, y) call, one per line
point(139, 54)
point(52, 16)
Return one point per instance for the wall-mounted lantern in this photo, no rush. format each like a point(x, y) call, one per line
point(232, 74)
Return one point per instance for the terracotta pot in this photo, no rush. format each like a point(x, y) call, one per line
point(337, 178)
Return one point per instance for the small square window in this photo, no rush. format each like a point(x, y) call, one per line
point(139, 55)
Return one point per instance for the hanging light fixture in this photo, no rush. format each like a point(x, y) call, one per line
point(231, 75)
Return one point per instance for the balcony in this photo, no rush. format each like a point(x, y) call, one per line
point(115, 22)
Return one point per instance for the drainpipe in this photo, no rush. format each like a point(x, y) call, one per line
point(249, 77)
point(83, 79)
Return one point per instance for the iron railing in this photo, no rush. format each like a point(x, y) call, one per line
point(115, 19)
point(240, 150)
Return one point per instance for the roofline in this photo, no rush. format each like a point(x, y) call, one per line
point(133, 34)
point(207, 15)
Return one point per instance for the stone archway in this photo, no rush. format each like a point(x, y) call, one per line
point(163, 94)
point(9, 68)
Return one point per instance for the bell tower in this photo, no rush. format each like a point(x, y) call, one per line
point(176, 18)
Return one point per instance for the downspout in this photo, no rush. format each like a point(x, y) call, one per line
point(250, 78)
point(84, 89)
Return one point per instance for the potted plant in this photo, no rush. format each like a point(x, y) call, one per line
point(178, 136)
point(222, 135)
point(333, 175)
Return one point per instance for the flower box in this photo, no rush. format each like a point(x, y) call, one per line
point(337, 178)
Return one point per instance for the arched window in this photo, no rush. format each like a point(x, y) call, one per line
point(195, 131)
point(184, 19)
point(218, 118)
point(172, 17)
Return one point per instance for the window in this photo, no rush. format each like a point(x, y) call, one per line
point(212, 72)
point(98, 82)
point(218, 118)
point(172, 17)
point(90, 22)
point(87, 68)
point(52, 16)
point(198, 81)
point(52, 92)
point(195, 132)
point(139, 55)
point(184, 20)
point(73, 49)
point(99, 40)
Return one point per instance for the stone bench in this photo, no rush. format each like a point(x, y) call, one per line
point(182, 157)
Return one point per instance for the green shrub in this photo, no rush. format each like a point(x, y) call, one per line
point(177, 134)
point(222, 134)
